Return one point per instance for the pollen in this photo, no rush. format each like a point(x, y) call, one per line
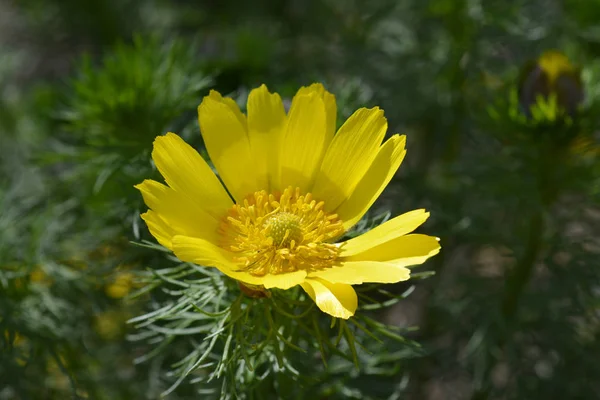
point(281, 232)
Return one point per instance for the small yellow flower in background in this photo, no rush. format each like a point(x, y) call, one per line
point(38, 275)
point(110, 324)
point(121, 286)
point(297, 187)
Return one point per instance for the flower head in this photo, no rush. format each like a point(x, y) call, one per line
point(549, 86)
point(294, 186)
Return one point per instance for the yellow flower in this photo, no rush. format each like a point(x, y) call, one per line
point(110, 324)
point(121, 286)
point(38, 275)
point(296, 186)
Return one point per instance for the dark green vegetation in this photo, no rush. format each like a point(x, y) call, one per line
point(513, 310)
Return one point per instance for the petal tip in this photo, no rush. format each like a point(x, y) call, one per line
point(317, 85)
point(344, 316)
point(398, 140)
point(159, 140)
point(142, 185)
point(379, 112)
point(212, 97)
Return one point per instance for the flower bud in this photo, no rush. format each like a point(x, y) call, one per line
point(551, 76)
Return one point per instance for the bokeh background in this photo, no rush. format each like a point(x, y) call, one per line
point(512, 310)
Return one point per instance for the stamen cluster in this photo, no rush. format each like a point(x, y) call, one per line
point(274, 234)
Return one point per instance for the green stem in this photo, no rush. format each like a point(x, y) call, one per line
point(548, 157)
point(519, 277)
point(516, 283)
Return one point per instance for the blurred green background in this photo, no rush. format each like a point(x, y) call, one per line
point(513, 309)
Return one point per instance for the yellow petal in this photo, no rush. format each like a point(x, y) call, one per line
point(402, 251)
point(203, 252)
point(336, 299)
point(284, 281)
point(328, 101)
point(266, 119)
point(304, 142)
point(180, 213)
point(349, 156)
point(376, 178)
point(357, 272)
point(399, 226)
point(229, 102)
point(226, 138)
point(159, 228)
point(188, 174)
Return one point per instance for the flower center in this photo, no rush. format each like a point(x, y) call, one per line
point(281, 232)
point(284, 227)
